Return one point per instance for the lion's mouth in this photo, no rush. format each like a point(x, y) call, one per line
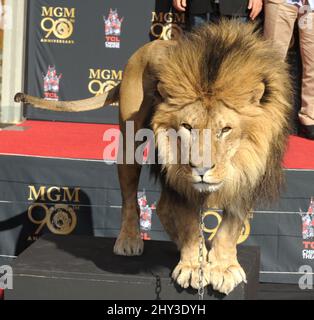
point(207, 187)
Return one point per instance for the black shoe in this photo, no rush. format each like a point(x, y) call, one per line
point(308, 131)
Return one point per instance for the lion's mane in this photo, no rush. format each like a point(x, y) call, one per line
point(228, 61)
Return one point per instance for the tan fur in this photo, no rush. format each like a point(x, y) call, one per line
point(71, 106)
point(231, 78)
point(220, 77)
point(229, 95)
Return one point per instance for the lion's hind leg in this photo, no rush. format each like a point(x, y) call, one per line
point(137, 95)
point(225, 271)
point(135, 108)
point(129, 242)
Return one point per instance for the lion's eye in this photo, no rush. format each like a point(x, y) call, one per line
point(186, 126)
point(226, 129)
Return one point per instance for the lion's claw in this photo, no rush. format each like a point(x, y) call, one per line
point(127, 246)
point(225, 280)
point(187, 274)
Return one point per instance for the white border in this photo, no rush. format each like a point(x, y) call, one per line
point(14, 43)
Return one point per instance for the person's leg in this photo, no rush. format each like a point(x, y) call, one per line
point(240, 18)
point(215, 15)
point(243, 19)
point(197, 20)
point(306, 31)
point(279, 25)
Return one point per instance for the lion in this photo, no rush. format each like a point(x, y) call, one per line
point(229, 80)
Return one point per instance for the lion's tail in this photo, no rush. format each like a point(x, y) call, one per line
point(72, 106)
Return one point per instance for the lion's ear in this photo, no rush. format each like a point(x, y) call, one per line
point(258, 93)
point(161, 90)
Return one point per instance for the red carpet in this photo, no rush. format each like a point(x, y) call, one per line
point(300, 154)
point(85, 141)
point(56, 139)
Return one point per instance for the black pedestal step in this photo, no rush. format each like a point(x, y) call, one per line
point(81, 267)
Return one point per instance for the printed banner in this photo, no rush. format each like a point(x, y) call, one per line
point(55, 199)
point(77, 49)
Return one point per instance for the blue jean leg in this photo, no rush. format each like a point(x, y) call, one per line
point(197, 20)
point(242, 19)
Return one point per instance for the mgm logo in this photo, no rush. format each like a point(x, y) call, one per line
point(58, 24)
point(103, 80)
point(167, 25)
point(213, 219)
point(52, 209)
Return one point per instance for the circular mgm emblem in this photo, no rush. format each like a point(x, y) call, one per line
point(166, 32)
point(61, 219)
point(173, 33)
point(98, 87)
point(63, 29)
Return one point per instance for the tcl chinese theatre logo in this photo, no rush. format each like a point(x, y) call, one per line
point(57, 25)
point(146, 213)
point(113, 25)
point(54, 208)
point(52, 84)
point(167, 25)
point(308, 232)
point(103, 80)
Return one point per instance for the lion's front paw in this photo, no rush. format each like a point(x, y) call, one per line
point(128, 246)
point(187, 274)
point(225, 274)
point(226, 279)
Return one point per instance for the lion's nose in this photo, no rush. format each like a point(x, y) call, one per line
point(201, 171)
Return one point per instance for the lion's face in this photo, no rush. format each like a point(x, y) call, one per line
point(210, 135)
point(242, 95)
